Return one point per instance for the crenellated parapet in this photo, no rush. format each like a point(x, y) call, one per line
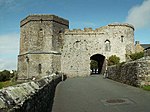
point(41, 17)
point(100, 30)
point(85, 31)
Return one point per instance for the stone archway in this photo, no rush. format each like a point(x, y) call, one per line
point(97, 64)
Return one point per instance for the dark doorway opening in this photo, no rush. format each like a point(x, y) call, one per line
point(97, 63)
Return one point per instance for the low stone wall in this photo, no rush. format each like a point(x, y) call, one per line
point(135, 73)
point(34, 96)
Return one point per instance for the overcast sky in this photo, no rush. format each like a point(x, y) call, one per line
point(80, 13)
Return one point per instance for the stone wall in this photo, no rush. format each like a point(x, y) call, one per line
point(135, 73)
point(34, 96)
point(47, 45)
point(38, 65)
point(147, 52)
point(40, 45)
point(80, 45)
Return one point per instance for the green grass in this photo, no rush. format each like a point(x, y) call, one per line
point(6, 84)
point(147, 88)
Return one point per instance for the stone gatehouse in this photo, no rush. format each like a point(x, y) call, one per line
point(48, 45)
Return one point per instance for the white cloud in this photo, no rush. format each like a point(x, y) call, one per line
point(7, 4)
point(8, 64)
point(9, 48)
point(9, 43)
point(139, 15)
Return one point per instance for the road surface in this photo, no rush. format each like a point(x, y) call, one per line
point(95, 94)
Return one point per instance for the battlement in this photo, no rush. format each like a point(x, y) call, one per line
point(100, 30)
point(41, 17)
point(86, 31)
point(122, 24)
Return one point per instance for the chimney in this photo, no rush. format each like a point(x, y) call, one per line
point(137, 42)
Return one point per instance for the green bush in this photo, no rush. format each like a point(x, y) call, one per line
point(136, 56)
point(147, 88)
point(113, 60)
point(5, 75)
point(94, 64)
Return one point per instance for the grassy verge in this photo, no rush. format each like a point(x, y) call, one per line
point(6, 84)
point(147, 88)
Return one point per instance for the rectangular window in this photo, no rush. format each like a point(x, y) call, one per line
point(40, 68)
point(122, 38)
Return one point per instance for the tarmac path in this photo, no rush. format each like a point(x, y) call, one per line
point(95, 94)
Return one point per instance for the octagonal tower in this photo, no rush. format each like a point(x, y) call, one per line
point(40, 45)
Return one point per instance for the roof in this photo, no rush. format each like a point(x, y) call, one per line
point(44, 17)
point(145, 46)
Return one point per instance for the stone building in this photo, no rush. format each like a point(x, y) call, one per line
point(40, 45)
point(47, 45)
point(142, 48)
point(138, 47)
point(147, 52)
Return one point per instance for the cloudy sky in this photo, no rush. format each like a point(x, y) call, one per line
point(80, 13)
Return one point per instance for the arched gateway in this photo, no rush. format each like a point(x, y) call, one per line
point(47, 46)
point(97, 64)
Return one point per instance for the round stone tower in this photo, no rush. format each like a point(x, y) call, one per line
point(122, 39)
point(40, 45)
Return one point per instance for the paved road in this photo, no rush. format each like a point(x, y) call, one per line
point(95, 94)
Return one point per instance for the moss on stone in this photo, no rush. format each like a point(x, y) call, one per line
point(147, 88)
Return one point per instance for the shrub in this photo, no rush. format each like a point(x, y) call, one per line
point(94, 64)
point(147, 88)
point(136, 56)
point(5, 75)
point(113, 60)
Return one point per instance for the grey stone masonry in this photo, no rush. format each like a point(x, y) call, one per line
point(33, 96)
point(79, 45)
point(147, 52)
point(47, 45)
point(41, 17)
point(40, 45)
point(135, 73)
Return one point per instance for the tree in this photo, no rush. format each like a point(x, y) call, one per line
point(113, 60)
point(4, 75)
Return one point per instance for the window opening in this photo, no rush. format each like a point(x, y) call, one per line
point(107, 46)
